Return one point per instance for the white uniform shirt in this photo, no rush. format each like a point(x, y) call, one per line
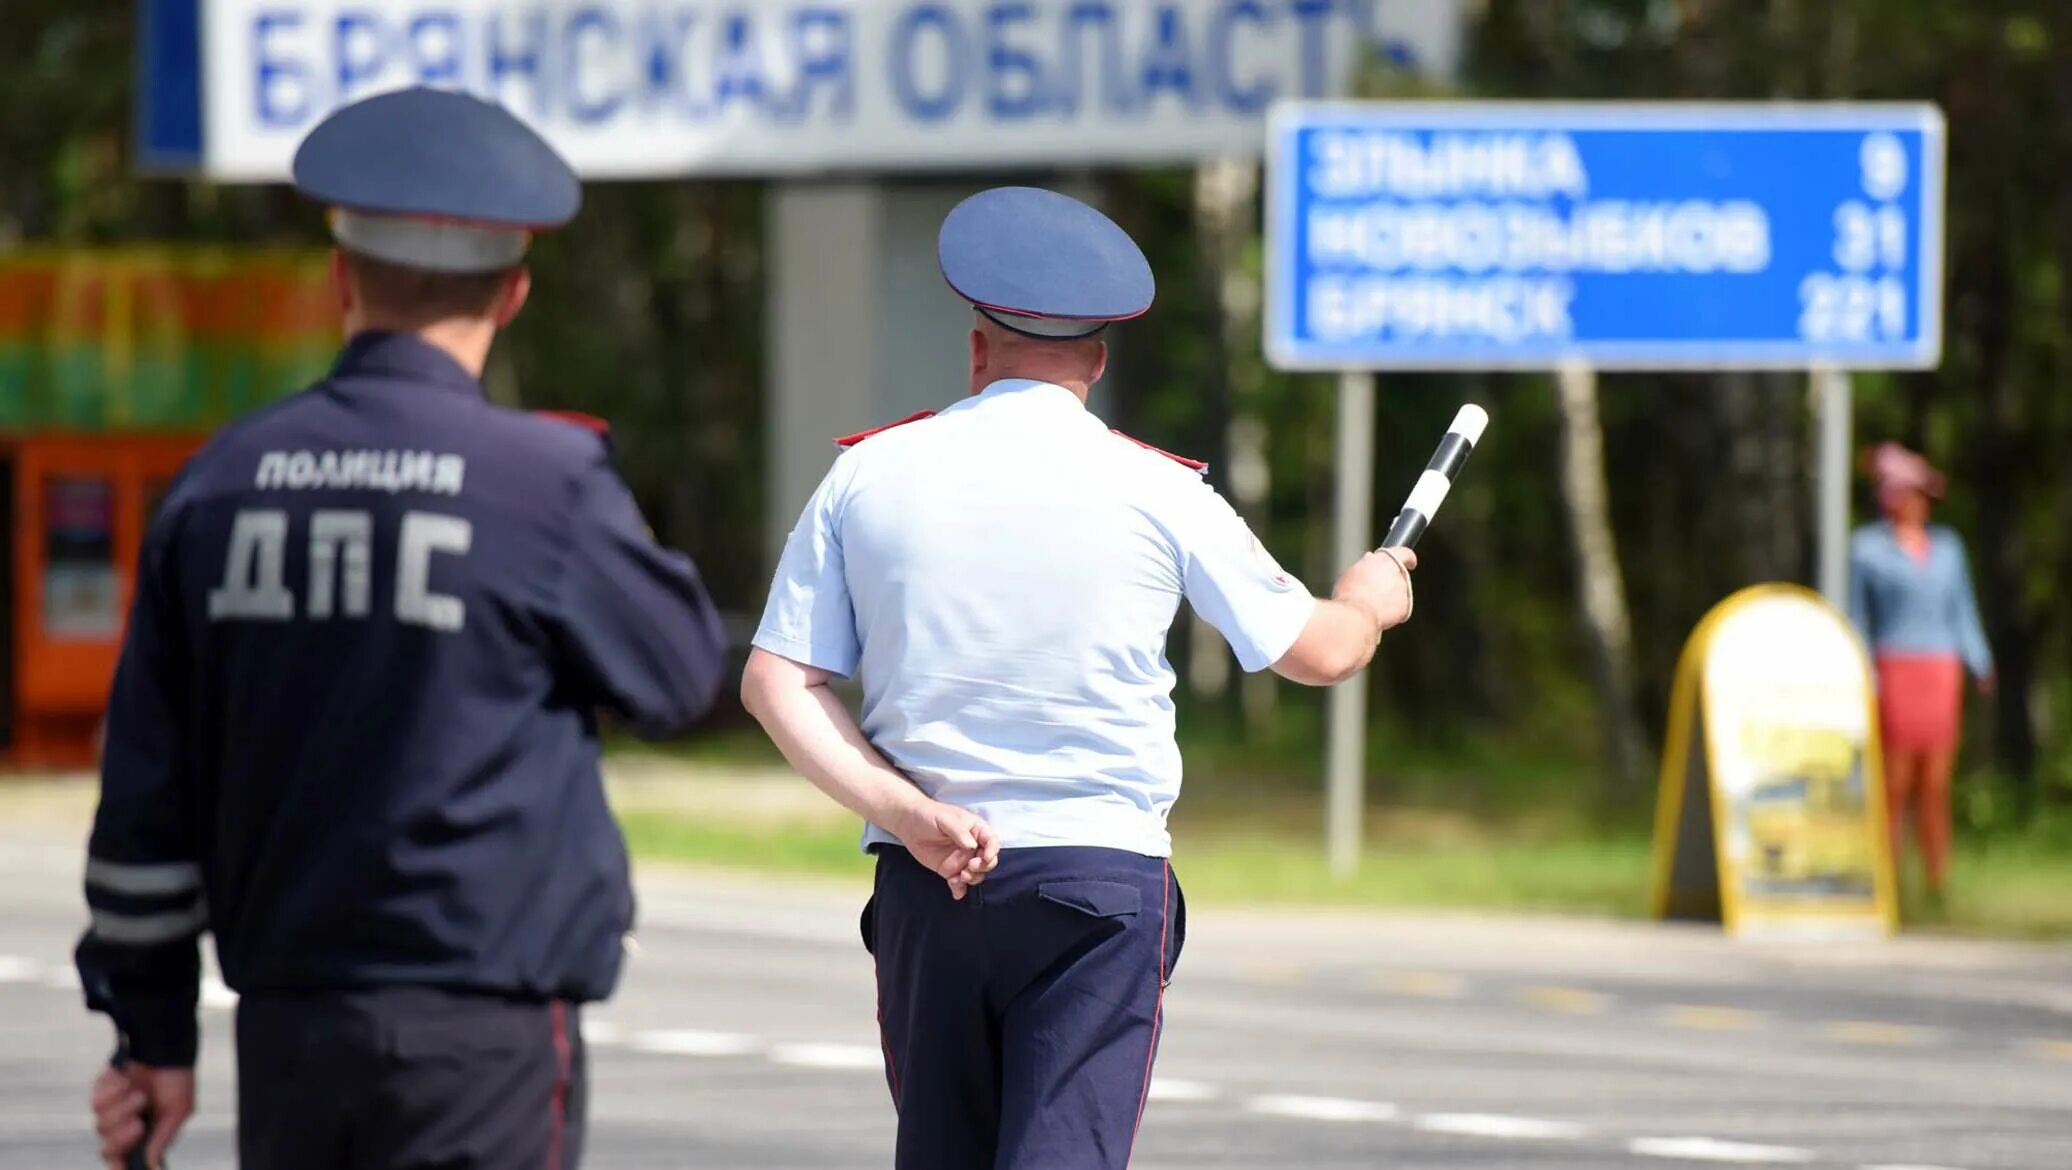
point(1002, 576)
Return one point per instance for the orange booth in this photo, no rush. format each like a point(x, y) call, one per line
point(114, 368)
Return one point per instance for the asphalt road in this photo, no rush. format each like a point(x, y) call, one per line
point(744, 1038)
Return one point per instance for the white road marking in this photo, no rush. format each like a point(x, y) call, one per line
point(602, 1032)
point(1171, 1089)
point(1496, 1125)
point(16, 969)
point(61, 978)
point(857, 1057)
point(1323, 1108)
point(215, 995)
point(1700, 1149)
point(684, 1042)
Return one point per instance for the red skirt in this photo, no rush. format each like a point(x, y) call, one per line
point(1920, 701)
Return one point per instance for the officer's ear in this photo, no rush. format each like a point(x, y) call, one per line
point(517, 287)
point(1100, 362)
point(980, 354)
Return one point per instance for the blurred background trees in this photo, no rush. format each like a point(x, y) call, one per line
point(649, 311)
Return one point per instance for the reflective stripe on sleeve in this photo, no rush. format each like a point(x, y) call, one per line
point(143, 881)
point(143, 930)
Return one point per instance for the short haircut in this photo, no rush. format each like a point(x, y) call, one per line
point(414, 297)
point(1014, 339)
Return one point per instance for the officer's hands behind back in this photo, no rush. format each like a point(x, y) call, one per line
point(956, 843)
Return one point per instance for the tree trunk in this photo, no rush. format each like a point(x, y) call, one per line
point(1225, 194)
point(1999, 561)
point(1598, 581)
point(2061, 47)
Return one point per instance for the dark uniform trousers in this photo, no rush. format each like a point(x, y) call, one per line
point(408, 1079)
point(1020, 1024)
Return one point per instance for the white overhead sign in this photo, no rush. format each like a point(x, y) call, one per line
point(636, 88)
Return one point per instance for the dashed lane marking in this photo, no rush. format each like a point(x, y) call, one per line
point(1278, 974)
point(2048, 1049)
point(1496, 1125)
point(1879, 1034)
point(1701, 1149)
point(17, 969)
point(1423, 984)
point(1707, 1018)
point(1572, 1001)
point(1323, 1108)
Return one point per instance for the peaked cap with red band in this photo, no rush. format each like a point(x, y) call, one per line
point(1042, 264)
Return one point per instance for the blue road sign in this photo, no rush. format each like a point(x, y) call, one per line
point(1424, 235)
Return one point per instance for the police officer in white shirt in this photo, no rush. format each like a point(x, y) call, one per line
point(1001, 578)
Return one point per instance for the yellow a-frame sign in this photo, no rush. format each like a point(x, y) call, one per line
point(1771, 817)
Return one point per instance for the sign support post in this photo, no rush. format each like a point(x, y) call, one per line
point(1352, 535)
point(1834, 407)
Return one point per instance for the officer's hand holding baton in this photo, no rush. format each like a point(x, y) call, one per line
point(1378, 585)
point(1367, 584)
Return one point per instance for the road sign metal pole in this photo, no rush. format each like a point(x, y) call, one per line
point(1834, 406)
point(1352, 536)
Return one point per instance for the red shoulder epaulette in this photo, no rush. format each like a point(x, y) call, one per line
point(588, 422)
point(1194, 465)
point(848, 441)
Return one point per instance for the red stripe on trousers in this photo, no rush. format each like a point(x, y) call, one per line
point(885, 1044)
point(1165, 923)
point(557, 1107)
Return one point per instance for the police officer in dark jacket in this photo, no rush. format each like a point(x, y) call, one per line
point(354, 733)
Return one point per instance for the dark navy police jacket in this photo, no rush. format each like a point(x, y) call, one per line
point(354, 731)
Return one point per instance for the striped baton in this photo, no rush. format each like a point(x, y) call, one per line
point(1438, 478)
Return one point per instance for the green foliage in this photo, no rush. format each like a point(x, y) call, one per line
point(822, 850)
point(1258, 852)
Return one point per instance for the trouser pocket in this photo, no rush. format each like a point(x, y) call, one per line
point(1095, 899)
point(1176, 940)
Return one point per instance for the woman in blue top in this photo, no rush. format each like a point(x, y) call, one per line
point(1910, 597)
